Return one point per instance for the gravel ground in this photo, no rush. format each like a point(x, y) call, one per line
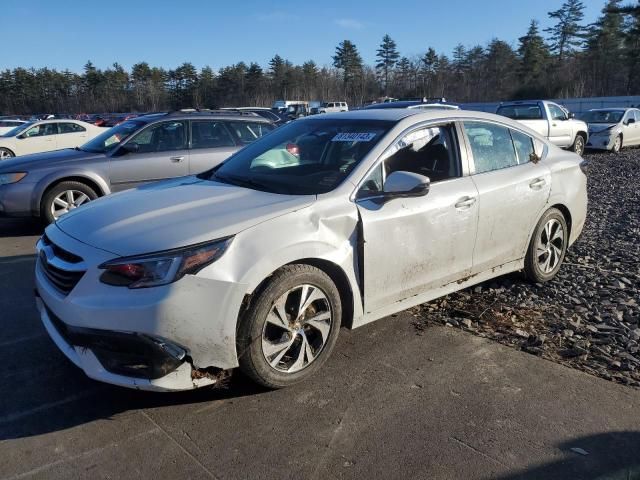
point(588, 317)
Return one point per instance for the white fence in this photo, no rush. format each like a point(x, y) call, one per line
point(575, 105)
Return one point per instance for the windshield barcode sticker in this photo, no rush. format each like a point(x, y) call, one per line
point(353, 137)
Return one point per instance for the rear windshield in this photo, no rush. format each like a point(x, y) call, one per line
point(303, 157)
point(521, 112)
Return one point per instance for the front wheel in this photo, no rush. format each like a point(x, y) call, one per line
point(578, 145)
point(547, 247)
point(63, 198)
point(617, 144)
point(290, 327)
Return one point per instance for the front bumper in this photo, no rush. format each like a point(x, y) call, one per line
point(100, 328)
point(15, 199)
point(600, 142)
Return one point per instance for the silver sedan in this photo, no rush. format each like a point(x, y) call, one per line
point(333, 220)
point(613, 128)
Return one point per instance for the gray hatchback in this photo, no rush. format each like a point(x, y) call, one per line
point(145, 149)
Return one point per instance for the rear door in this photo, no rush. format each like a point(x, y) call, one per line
point(42, 137)
point(512, 190)
point(71, 135)
point(211, 144)
point(162, 152)
point(560, 128)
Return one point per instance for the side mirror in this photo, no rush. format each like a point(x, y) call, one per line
point(533, 157)
point(630, 121)
point(572, 115)
point(131, 147)
point(406, 184)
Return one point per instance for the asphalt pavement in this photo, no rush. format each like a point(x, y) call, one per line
point(390, 403)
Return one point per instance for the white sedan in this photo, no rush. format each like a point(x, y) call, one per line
point(613, 128)
point(46, 135)
point(333, 220)
point(8, 124)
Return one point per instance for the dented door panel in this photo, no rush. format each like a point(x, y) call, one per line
point(414, 244)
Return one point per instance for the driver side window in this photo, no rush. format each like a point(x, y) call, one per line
point(557, 113)
point(429, 151)
point(42, 130)
point(162, 137)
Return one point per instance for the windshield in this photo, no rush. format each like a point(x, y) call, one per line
point(304, 157)
point(18, 130)
point(603, 116)
point(111, 138)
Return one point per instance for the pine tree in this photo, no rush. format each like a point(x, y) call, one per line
point(387, 55)
point(349, 61)
point(534, 60)
point(567, 34)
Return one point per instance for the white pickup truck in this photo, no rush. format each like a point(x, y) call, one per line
point(550, 120)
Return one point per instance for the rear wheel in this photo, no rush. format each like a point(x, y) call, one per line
point(5, 153)
point(547, 247)
point(63, 198)
point(290, 327)
point(578, 145)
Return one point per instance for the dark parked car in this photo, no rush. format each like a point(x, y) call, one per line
point(137, 151)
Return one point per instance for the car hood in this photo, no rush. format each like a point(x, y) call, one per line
point(174, 213)
point(26, 162)
point(601, 127)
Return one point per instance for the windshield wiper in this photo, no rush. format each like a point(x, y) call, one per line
point(243, 182)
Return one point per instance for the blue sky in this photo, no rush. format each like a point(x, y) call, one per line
point(220, 32)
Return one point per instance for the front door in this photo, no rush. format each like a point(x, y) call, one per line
point(512, 191)
point(560, 129)
point(39, 138)
point(414, 244)
point(160, 152)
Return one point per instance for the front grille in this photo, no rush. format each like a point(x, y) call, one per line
point(60, 267)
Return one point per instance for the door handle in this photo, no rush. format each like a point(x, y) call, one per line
point(465, 202)
point(554, 124)
point(177, 159)
point(538, 183)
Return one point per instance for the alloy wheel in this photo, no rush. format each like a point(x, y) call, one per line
point(66, 201)
point(617, 144)
point(579, 145)
point(550, 246)
point(5, 154)
point(297, 328)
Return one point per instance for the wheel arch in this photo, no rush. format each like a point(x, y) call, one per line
point(97, 185)
point(10, 150)
point(335, 273)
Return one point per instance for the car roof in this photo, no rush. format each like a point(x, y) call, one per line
point(397, 114)
point(612, 109)
point(210, 115)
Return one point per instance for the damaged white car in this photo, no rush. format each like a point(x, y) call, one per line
point(330, 221)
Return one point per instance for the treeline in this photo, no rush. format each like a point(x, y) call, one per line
point(569, 59)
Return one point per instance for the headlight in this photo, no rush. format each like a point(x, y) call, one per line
point(161, 268)
point(7, 178)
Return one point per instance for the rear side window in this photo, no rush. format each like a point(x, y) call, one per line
point(70, 128)
point(210, 134)
point(248, 132)
point(521, 112)
point(491, 146)
point(524, 146)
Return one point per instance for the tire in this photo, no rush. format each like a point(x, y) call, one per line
point(578, 144)
point(617, 144)
point(274, 355)
point(5, 154)
point(540, 249)
point(78, 191)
